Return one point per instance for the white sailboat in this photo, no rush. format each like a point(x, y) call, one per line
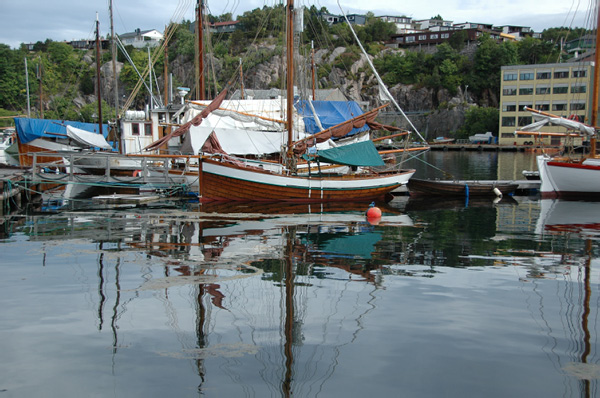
point(566, 175)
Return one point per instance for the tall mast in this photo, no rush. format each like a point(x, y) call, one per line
point(312, 62)
point(113, 45)
point(166, 75)
point(594, 121)
point(27, 88)
point(113, 48)
point(200, 26)
point(98, 74)
point(290, 74)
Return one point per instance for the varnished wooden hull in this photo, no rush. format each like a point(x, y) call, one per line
point(229, 181)
point(450, 188)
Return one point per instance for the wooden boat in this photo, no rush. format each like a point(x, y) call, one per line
point(460, 188)
point(226, 178)
point(223, 177)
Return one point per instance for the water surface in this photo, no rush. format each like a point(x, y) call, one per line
point(438, 298)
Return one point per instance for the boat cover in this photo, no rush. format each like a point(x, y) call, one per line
point(30, 129)
point(234, 141)
point(542, 120)
point(361, 153)
point(88, 139)
point(330, 113)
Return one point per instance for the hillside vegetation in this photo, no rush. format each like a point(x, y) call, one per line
point(62, 79)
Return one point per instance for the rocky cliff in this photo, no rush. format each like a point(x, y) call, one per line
point(433, 113)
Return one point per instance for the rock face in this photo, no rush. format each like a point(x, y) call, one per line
point(433, 113)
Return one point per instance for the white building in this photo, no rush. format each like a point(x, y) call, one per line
point(142, 38)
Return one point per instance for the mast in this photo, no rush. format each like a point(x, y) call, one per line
point(312, 62)
point(166, 76)
point(200, 26)
point(27, 88)
point(98, 74)
point(594, 121)
point(40, 73)
point(241, 80)
point(290, 75)
point(113, 45)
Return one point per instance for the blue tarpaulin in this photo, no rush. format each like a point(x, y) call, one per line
point(30, 129)
point(330, 113)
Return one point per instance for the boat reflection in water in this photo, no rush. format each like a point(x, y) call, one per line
point(575, 224)
point(267, 288)
point(304, 300)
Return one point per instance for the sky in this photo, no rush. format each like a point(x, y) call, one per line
point(29, 21)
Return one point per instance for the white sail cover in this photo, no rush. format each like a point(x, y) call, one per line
point(234, 141)
point(87, 138)
point(248, 127)
point(542, 120)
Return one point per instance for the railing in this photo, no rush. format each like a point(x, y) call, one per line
point(96, 168)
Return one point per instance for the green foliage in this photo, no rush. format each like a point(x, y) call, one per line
point(458, 40)
point(316, 30)
point(345, 60)
point(185, 40)
point(534, 51)
point(89, 112)
point(479, 120)
point(12, 78)
point(488, 60)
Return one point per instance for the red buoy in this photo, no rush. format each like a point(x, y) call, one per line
point(374, 212)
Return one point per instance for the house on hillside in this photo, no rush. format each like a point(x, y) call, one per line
point(142, 38)
point(432, 24)
point(434, 38)
point(224, 27)
point(403, 24)
point(518, 32)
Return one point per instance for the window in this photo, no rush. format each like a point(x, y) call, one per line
point(525, 120)
point(422, 37)
point(148, 129)
point(577, 106)
point(542, 90)
point(509, 108)
point(410, 39)
point(445, 35)
point(561, 106)
point(523, 105)
point(578, 88)
point(434, 36)
point(510, 76)
point(560, 90)
point(508, 121)
point(542, 107)
point(526, 76)
point(509, 91)
point(561, 74)
point(543, 75)
point(525, 90)
point(135, 129)
point(579, 73)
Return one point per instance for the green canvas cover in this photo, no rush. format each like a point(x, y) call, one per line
point(358, 154)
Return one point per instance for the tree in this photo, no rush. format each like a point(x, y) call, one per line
point(12, 78)
point(480, 120)
point(488, 60)
point(534, 51)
